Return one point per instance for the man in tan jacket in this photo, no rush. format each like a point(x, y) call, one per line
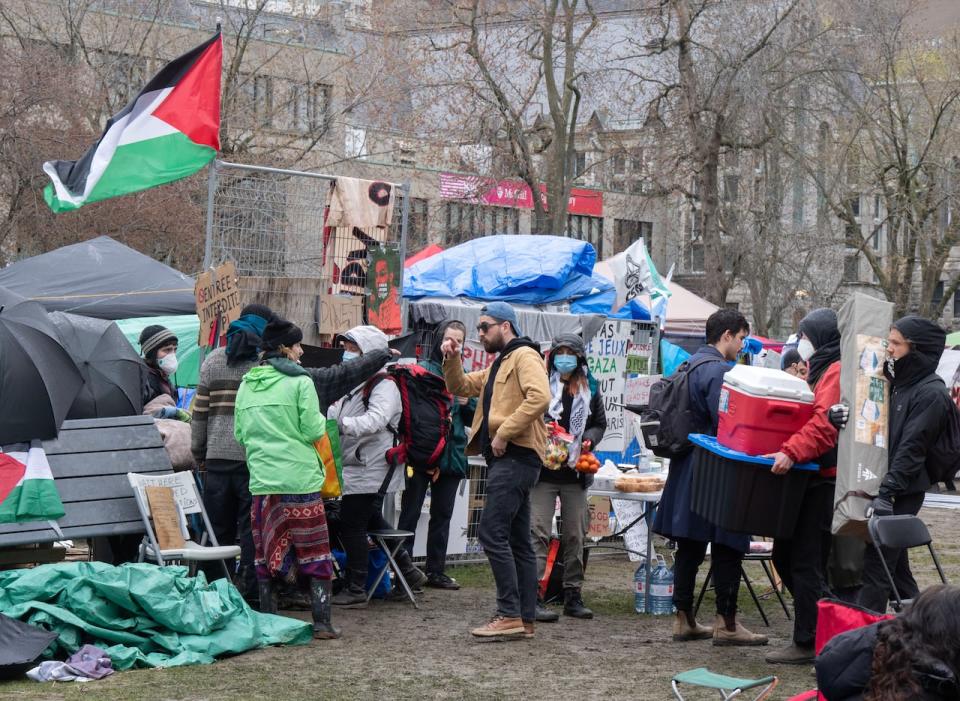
point(509, 431)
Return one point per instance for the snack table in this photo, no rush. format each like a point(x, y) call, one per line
point(651, 500)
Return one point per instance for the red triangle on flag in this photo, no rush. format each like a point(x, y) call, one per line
point(193, 106)
point(11, 472)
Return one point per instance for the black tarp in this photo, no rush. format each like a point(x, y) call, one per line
point(21, 645)
point(101, 278)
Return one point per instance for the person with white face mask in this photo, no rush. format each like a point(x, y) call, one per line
point(158, 345)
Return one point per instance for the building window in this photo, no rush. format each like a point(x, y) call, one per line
point(731, 188)
point(123, 75)
point(356, 142)
point(854, 204)
point(693, 250)
point(626, 231)
point(585, 228)
point(466, 221)
point(417, 236)
point(851, 267)
point(876, 206)
point(619, 164)
point(578, 163)
point(255, 100)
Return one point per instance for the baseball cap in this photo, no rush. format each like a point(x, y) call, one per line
point(501, 311)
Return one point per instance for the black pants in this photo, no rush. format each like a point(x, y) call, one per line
point(226, 497)
point(359, 513)
point(505, 535)
point(726, 574)
point(443, 495)
point(876, 591)
point(802, 559)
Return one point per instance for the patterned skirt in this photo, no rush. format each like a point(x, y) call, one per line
point(290, 536)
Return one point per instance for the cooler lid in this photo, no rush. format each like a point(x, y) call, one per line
point(767, 382)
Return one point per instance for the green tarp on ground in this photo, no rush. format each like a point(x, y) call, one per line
point(187, 330)
point(141, 614)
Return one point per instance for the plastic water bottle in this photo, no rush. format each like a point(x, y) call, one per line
point(640, 588)
point(661, 589)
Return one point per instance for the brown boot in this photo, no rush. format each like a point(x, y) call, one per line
point(685, 627)
point(528, 631)
point(727, 631)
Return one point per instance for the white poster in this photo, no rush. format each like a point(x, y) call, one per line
point(457, 544)
point(607, 359)
point(635, 539)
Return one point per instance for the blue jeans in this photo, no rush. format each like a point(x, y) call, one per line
point(505, 535)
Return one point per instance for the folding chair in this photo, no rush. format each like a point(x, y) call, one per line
point(187, 500)
point(381, 538)
point(763, 558)
point(901, 532)
point(727, 687)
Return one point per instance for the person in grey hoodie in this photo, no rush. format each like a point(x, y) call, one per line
point(368, 418)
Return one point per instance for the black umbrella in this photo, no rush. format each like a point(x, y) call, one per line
point(108, 363)
point(38, 379)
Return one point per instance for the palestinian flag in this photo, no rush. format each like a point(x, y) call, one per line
point(169, 131)
point(27, 490)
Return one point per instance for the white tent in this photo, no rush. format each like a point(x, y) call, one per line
point(686, 312)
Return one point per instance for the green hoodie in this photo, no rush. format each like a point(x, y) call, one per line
point(277, 420)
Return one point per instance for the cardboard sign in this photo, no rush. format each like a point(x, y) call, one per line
point(166, 520)
point(338, 313)
point(218, 301)
point(600, 526)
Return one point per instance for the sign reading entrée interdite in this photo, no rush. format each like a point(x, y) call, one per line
point(218, 301)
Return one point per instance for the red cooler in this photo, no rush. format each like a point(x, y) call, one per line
point(760, 408)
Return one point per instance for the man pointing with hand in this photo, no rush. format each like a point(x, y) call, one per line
point(509, 431)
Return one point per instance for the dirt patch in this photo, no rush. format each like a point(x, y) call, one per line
point(392, 651)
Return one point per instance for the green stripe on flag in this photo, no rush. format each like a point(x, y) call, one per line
point(32, 500)
point(141, 165)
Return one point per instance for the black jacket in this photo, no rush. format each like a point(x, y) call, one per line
point(337, 381)
point(844, 666)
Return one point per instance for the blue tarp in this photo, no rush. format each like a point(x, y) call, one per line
point(632, 310)
point(526, 269)
point(671, 357)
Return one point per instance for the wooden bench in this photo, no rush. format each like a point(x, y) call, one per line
point(90, 460)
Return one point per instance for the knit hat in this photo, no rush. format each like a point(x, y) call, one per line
point(153, 338)
point(261, 310)
point(280, 332)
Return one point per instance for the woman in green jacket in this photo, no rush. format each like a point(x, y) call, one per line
point(443, 486)
point(277, 421)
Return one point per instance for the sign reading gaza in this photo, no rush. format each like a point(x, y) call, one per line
point(218, 301)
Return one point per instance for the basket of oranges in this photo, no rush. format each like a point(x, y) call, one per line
point(587, 463)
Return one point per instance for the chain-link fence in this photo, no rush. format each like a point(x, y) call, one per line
point(272, 224)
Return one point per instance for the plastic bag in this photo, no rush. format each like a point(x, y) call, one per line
point(558, 447)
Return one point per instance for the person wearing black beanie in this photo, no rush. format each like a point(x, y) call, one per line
point(226, 492)
point(158, 345)
point(919, 410)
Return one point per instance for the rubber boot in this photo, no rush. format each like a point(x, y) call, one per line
point(728, 631)
point(415, 578)
point(320, 596)
point(354, 593)
point(685, 628)
point(268, 596)
point(573, 604)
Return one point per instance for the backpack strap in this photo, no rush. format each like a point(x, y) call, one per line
point(702, 361)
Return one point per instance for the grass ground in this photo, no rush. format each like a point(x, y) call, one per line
point(391, 651)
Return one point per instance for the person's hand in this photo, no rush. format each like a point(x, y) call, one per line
point(838, 415)
point(434, 474)
point(781, 463)
point(498, 446)
point(450, 348)
point(395, 353)
point(881, 506)
point(587, 445)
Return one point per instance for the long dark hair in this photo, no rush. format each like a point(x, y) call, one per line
point(927, 634)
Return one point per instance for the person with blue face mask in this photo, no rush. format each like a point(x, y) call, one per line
point(577, 406)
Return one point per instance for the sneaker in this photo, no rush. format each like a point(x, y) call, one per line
point(500, 627)
point(792, 654)
point(416, 579)
point(438, 580)
point(350, 598)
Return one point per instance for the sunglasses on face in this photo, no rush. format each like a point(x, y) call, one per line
point(483, 326)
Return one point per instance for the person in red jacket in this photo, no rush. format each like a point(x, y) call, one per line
point(801, 559)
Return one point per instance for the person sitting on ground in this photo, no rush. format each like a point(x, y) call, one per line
point(914, 657)
point(444, 484)
point(676, 519)
point(158, 345)
point(226, 487)
point(508, 429)
point(577, 406)
point(801, 558)
point(793, 364)
point(277, 420)
point(368, 418)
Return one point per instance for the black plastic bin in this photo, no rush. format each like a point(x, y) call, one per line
point(746, 497)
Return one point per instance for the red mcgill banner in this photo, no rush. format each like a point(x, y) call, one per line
point(513, 193)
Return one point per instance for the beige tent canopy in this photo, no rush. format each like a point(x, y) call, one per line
point(686, 313)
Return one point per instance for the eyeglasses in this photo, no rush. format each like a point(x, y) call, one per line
point(483, 326)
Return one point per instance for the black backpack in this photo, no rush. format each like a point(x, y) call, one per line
point(668, 417)
point(943, 460)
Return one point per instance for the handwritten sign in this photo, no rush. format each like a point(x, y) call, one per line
point(339, 313)
point(607, 359)
point(637, 389)
point(184, 495)
point(599, 508)
point(638, 358)
point(635, 539)
point(166, 520)
point(218, 301)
